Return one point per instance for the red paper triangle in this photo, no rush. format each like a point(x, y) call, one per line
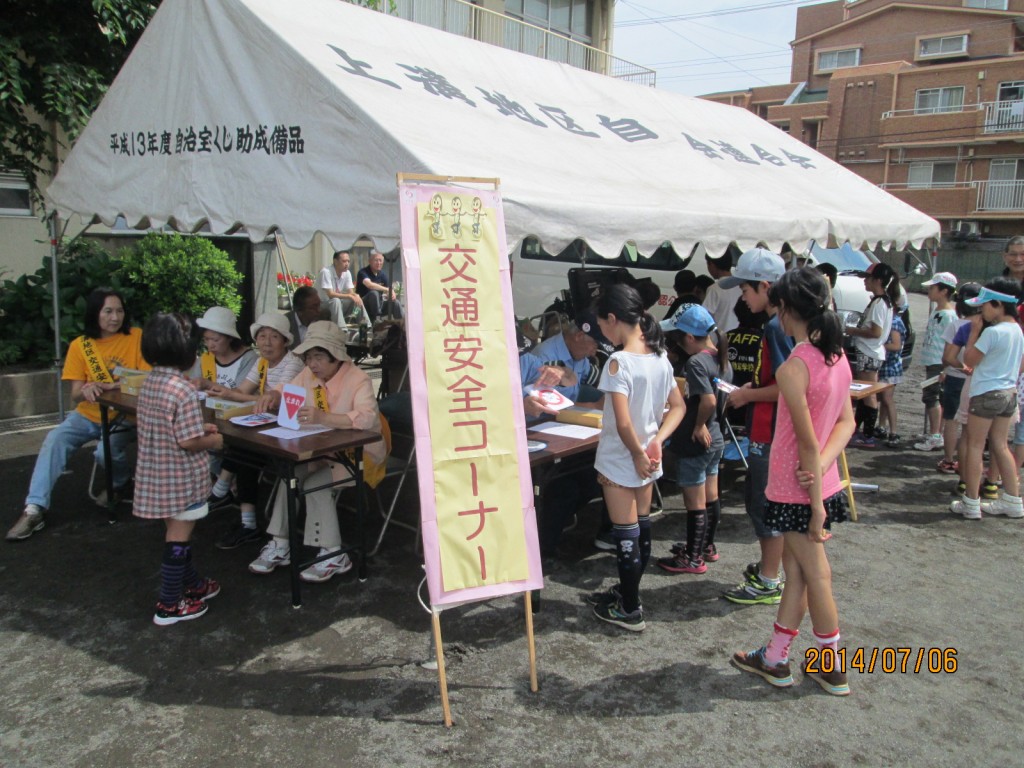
point(292, 403)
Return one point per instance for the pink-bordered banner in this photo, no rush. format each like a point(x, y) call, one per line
point(476, 494)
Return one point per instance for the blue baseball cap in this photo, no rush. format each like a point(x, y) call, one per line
point(692, 319)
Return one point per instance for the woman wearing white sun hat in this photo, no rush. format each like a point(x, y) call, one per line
point(227, 359)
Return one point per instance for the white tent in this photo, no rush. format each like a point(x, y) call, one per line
point(262, 115)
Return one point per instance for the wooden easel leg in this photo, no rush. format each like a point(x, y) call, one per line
point(529, 640)
point(442, 680)
point(849, 485)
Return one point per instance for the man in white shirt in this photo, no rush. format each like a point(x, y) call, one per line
point(337, 289)
point(721, 303)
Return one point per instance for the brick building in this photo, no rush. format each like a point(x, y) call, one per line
point(923, 97)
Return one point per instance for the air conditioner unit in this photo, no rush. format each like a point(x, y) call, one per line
point(965, 229)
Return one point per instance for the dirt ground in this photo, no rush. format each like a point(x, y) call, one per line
point(87, 680)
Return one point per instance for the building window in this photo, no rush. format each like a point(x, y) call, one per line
point(951, 45)
point(15, 198)
point(828, 60)
point(931, 175)
point(989, 5)
point(571, 18)
point(929, 101)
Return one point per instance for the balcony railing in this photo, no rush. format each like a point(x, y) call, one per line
point(990, 196)
point(1000, 195)
point(1004, 116)
point(1000, 116)
point(468, 20)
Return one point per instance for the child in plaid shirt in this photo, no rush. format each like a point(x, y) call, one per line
point(172, 479)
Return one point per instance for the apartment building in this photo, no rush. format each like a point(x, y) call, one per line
point(924, 98)
point(575, 32)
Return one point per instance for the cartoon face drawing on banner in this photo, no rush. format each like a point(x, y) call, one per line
point(456, 215)
point(476, 213)
point(435, 212)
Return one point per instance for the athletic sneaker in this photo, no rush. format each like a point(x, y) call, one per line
point(881, 433)
point(947, 467)
point(989, 490)
point(611, 595)
point(860, 441)
point(325, 569)
point(753, 571)
point(1010, 506)
point(753, 592)
point(270, 557)
point(206, 589)
point(710, 553)
point(959, 490)
point(613, 613)
point(605, 542)
point(31, 520)
point(682, 564)
point(238, 536)
point(930, 443)
point(893, 441)
point(754, 662)
point(186, 610)
point(965, 509)
point(215, 502)
point(834, 682)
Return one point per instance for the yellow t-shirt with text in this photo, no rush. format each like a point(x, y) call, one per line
point(121, 349)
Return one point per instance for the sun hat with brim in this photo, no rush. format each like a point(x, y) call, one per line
point(942, 278)
point(692, 319)
point(326, 335)
point(275, 322)
point(756, 265)
point(987, 294)
point(220, 320)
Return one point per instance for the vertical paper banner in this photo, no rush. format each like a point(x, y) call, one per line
point(476, 494)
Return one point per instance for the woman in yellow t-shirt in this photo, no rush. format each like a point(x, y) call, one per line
point(93, 365)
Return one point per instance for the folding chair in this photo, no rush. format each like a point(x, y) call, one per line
point(397, 466)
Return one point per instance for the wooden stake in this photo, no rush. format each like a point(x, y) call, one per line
point(429, 178)
point(528, 602)
point(442, 680)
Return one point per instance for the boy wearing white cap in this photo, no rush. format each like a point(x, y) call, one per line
point(941, 290)
point(756, 271)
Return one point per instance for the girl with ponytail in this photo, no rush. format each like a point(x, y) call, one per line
point(805, 494)
point(638, 382)
point(869, 338)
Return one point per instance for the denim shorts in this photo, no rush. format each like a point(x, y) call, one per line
point(999, 403)
point(951, 389)
point(695, 470)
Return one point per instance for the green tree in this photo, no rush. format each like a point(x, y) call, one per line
point(57, 58)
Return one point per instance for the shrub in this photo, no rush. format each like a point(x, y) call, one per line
point(26, 323)
point(171, 273)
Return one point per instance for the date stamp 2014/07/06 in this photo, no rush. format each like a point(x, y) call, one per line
point(889, 660)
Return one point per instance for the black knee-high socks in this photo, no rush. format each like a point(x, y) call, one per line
point(628, 560)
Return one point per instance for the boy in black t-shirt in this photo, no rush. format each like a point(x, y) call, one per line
point(698, 444)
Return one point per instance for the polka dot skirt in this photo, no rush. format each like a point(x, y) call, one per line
point(783, 517)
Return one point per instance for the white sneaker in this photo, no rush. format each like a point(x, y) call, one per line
point(1010, 506)
point(930, 443)
point(966, 509)
point(31, 520)
point(270, 557)
point(325, 569)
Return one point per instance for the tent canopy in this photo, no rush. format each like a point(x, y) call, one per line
point(263, 116)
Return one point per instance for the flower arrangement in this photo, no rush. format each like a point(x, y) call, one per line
point(297, 281)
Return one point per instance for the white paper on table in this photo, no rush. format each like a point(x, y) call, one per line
point(286, 433)
point(857, 386)
point(292, 399)
point(574, 431)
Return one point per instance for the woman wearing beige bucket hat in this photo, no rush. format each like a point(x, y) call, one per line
point(276, 365)
point(226, 360)
point(338, 395)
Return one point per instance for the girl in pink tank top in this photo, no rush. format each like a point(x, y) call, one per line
point(804, 493)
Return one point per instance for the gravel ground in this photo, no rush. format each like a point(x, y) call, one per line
point(87, 680)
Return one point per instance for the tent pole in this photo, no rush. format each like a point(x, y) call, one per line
point(55, 280)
